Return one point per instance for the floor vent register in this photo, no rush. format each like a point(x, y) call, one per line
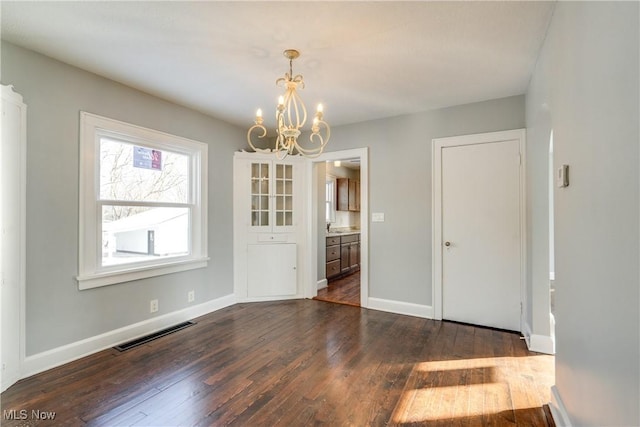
point(154, 336)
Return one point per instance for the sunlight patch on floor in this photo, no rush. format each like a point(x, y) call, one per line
point(441, 403)
point(472, 388)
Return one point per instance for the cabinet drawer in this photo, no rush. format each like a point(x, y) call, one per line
point(333, 241)
point(333, 252)
point(333, 268)
point(272, 238)
point(350, 238)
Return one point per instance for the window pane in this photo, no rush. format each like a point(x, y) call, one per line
point(134, 234)
point(137, 173)
point(329, 191)
point(330, 212)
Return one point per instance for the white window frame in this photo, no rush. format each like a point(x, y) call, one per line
point(91, 273)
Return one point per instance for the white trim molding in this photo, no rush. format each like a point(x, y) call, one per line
point(12, 373)
point(539, 343)
point(558, 411)
point(59, 356)
point(92, 272)
point(400, 307)
point(310, 287)
point(323, 284)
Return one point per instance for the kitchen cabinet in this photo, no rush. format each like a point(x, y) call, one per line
point(354, 255)
point(348, 195)
point(343, 255)
point(333, 257)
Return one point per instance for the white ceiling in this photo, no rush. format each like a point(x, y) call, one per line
point(362, 60)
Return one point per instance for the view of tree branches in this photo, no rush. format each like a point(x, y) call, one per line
point(120, 180)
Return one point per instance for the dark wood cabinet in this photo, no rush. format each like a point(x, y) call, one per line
point(348, 195)
point(345, 265)
point(354, 252)
point(333, 257)
point(333, 268)
point(343, 255)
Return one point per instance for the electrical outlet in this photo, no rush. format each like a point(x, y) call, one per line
point(191, 296)
point(153, 306)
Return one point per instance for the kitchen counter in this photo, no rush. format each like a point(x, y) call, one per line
point(342, 233)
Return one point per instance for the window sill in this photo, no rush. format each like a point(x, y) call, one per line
point(90, 281)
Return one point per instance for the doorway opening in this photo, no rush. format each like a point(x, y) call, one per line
point(344, 290)
point(339, 227)
point(342, 233)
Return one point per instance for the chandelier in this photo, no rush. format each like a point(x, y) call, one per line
point(291, 116)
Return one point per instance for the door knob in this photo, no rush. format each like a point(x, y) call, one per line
point(447, 244)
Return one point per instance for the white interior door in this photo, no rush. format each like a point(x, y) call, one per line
point(481, 233)
point(12, 231)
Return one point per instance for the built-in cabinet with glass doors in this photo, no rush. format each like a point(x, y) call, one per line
point(271, 194)
point(267, 232)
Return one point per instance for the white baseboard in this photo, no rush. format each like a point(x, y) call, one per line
point(322, 284)
point(269, 299)
point(542, 344)
point(558, 411)
point(399, 307)
point(539, 343)
point(59, 356)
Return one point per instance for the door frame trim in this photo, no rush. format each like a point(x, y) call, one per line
point(311, 288)
point(437, 145)
point(10, 95)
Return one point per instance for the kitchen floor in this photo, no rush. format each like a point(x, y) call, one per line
point(345, 290)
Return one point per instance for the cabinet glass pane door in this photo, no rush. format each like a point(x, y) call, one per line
point(259, 194)
point(284, 195)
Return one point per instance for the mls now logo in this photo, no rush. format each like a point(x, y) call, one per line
point(14, 414)
point(23, 414)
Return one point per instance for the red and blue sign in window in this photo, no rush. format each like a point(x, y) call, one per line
point(146, 158)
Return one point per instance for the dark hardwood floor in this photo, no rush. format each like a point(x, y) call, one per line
point(298, 363)
point(345, 290)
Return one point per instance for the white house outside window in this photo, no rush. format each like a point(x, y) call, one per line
point(143, 202)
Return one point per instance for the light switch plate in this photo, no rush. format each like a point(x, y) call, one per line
point(377, 217)
point(562, 176)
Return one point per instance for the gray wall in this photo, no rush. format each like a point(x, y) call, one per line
point(400, 186)
point(57, 313)
point(585, 86)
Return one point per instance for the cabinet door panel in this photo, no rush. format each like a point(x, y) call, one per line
point(343, 194)
point(352, 195)
point(271, 270)
point(260, 197)
point(344, 258)
point(353, 255)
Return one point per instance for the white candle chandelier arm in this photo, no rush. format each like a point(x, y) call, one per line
point(257, 127)
point(291, 116)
